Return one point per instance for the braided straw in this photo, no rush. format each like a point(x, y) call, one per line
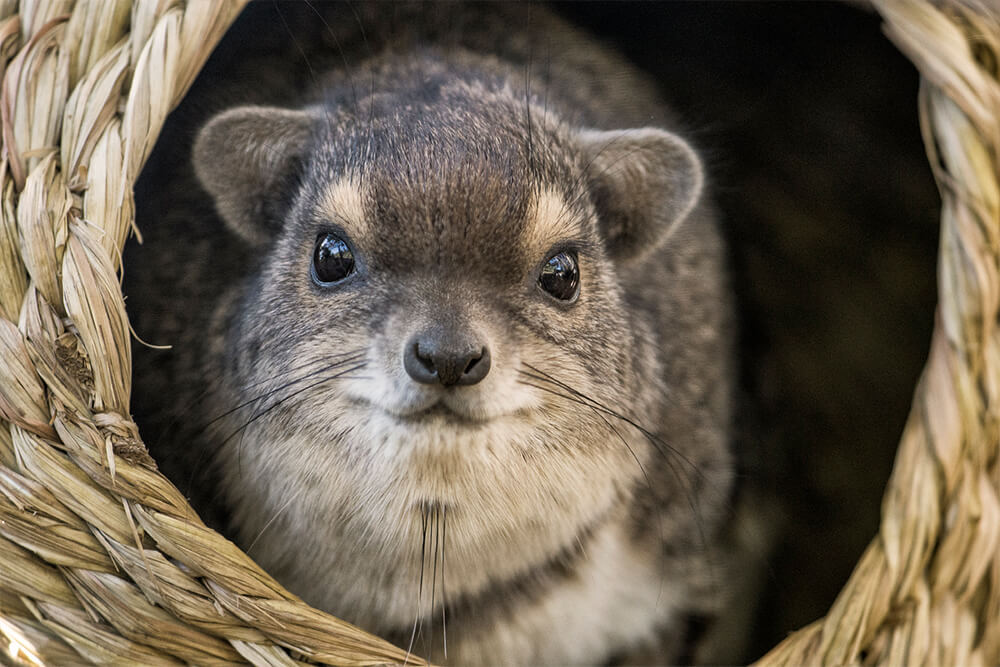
point(101, 558)
point(927, 589)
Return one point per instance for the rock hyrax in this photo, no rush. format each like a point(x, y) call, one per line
point(450, 339)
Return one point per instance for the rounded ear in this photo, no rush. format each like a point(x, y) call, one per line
point(644, 182)
point(247, 158)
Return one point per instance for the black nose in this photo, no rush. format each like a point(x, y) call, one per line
point(450, 359)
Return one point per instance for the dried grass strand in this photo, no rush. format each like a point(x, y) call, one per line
point(925, 590)
point(104, 562)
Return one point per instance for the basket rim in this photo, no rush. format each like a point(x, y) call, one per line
point(82, 507)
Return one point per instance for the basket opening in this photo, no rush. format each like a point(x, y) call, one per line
point(808, 117)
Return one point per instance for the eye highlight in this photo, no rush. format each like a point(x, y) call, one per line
point(333, 259)
point(560, 276)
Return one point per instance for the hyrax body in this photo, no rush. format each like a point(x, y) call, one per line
point(450, 348)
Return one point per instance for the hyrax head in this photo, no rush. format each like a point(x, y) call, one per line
point(460, 216)
point(440, 294)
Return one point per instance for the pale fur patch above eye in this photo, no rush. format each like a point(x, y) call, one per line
point(343, 202)
point(549, 222)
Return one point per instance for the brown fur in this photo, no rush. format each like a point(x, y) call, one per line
point(569, 507)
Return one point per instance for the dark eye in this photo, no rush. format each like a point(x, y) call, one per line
point(561, 276)
point(332, 259)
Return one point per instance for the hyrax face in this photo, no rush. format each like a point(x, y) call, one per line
point(437, 324)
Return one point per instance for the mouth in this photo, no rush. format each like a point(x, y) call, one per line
point(436, 411)
point(439, 411)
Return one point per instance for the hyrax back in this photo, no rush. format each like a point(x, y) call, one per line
point(449, 326)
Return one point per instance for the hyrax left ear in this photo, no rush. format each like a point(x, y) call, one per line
point(247, 158)
point(644, 182)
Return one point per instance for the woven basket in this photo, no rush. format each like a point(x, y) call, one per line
point(102, 560)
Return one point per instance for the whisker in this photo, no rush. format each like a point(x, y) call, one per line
point(599, 409)
point(542, 375)
point(348, 70)
point(349, 357)
point(253, 417)
point(298, 44)
point(420, 585)
point(435, 519)
point(267, 525)
point(649, 436)
point(277, 403)
point(202, 395)
point(652, 438)
point(444, 595)
point(597, 412)
point(527, 101)
point(642, 469)
point(649, 485)
point(367, 153)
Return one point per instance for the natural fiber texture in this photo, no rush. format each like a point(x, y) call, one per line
point(102, 560)
point(927, 590)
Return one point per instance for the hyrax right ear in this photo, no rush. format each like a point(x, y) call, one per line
point(246, 158)
point(644, 183)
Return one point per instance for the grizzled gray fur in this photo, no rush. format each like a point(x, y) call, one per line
point(450, 333)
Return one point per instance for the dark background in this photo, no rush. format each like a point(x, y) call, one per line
point(808, 114)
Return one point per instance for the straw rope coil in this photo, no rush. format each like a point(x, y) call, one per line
point(927, 589)
point(103, 561)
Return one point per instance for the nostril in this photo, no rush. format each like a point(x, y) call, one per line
point(477, 367)
point(472, 363)
point(419, 364)
point(425, 359)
